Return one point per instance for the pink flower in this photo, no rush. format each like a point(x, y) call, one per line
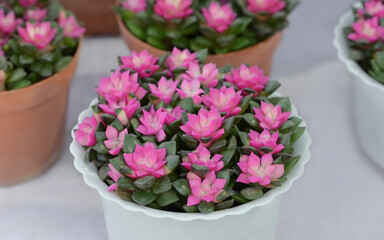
point(219, 17)
point(115, 140)
point(206, 190)
point(129, 108)
point(115, 175)
point(164, 90)
point(146, 161)
point(35, 14)
point(265, 139)
point(143, 63)
point(191, 89)
point(374, 8)
point(256, 170)
point(180, 58)
point(245, 77)
point(202, 156)
point(204, 124)
point(27, 3)
point(152, 123)
point(265, 6)
point(207, 75)
point(135, 5)
point(8, 23)
point(38, 34)
point(170, 9)
point(368, 29)
point(173, 114)
point(119, 85)
point(85, 135)
point(271, 117)
point(70, 26)
point(224, 100)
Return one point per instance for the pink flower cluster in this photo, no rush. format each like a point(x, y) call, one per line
point(132, 85)
point(171, 9)
point(37, 32)
point(219, 17)
point(369, 29)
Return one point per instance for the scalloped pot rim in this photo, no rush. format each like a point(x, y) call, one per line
point(92, 179)
point(341, 46)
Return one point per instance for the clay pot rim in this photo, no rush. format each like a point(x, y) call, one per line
point(43, 82)
point(146, 45)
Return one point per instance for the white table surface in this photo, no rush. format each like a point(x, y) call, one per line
point(340, 195)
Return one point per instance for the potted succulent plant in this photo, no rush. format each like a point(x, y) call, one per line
point(96, 14)
point(233, 31)
point(359, 39)
point(38, 57)
point(172, 139)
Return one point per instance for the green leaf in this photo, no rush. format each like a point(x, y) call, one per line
point(136, 29)
point(126, 183)
point(190, 141)
point(162, 185)
point(173, 34)
point(225, 174)
point(28, 49)
point(144, 197)
point(169, 146)
point(187, 104)
point(167, 198)
point(118, 163)
point(285, 104)
point(296, 134)
point(227, 156)
point(100, 136)
point(208, 32)
point(251, 193)
point(130, 142)
point(46, 70)
point(175, 126)
point(200, 170)
point(243, 138)
point(144, 182)
point(25, 59)
point(224, 205)
point(124, 194)
point(158, 43)
point(48, 56)
point(172, 162)
point(182, 187)
point(290, 165)
point(100, 148)
point(107, 118)
point(206, 207)
point(103, 171)
point(62, 63)
point(117, 125)
point(20, 84)
point(218, 146)
point(247, 150)
point(202, 55)
point(16, 75)
point(190, 209)
point(245, 101)
point(271, 87)
point(227, 125)
point(90, 155)
point(250, 119)
point(225, 41)
point(232, 144)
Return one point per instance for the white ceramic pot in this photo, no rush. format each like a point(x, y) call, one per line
point(368, 98)
point(250, 221)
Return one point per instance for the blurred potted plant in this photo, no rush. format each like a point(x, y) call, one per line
point(96, 14)
point(359, 38)
point(234, 31)
point(163, 144)
point(39, 52)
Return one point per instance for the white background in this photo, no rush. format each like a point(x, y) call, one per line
point(340, 195)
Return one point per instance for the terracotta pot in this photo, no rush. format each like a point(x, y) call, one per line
point(96, 14)
point(260, 54)
point(32, 126)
